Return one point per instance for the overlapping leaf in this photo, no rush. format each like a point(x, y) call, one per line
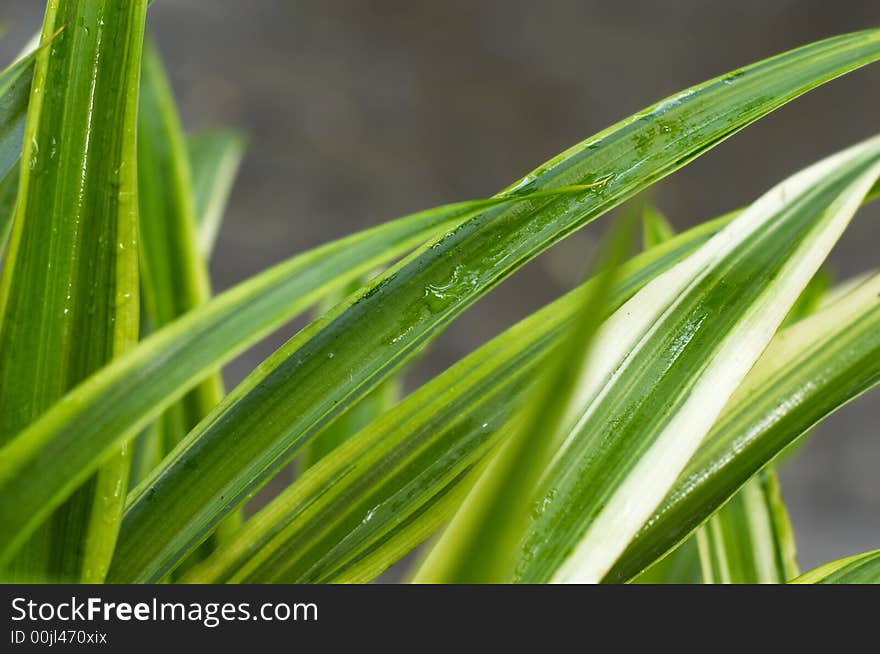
point(671, 358)
point(174, 273)
point(8, 194)
point(681, 566)
point(336, 361)
point(68, 293)
point(857, 569)
point(372, 500)
point(47, 461)
point(811, 369)
point(750, 541)
point(384, 493)
point(15, 88)
point(214, 158)
point(481, 543)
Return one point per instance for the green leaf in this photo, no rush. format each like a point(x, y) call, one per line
point(750, 540)
point(812, 297)
point(371, 501)
point(680, 566)
point(655, 227)
point(15, 88)
point(481, 544)
point(373, 405)
point(174, 275)
point(857, 569)
point(376, 499)
point(358, 416)
point(214, 158)
point(811, 369)
point(8, 194)
point(68, 292)
point(336, 361)
point(672, 357)
point(49, 459)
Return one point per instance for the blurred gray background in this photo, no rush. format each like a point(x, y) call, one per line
point(359, 112)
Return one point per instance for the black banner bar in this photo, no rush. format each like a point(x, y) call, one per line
point(261, 618)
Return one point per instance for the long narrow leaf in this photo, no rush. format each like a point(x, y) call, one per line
point(174, 273)
point(49, 459)
point(324, 369)
point(481, 543)
point(655, 227)
point(811, 369)
point(374, 500)
point(750, 541)
point(358, 416)
point(672, 357)
point(8, 194)
point(214, 158)
point(681, 566)
point(68, 293)
point(15, 88)
point(369, 502)
point(857, 569)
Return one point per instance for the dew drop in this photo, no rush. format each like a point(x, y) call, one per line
point(35, 154)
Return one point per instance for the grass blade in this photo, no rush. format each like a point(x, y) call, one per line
point(49, 459)
point(750, 541)
point(655, 227)
point(377, 402)
point(8, 194)
point(71, 267)
point(358, 416)
point(322, 371)
point(15, 88)
point(672, 357)
point(857, 569)
point(481, 544)
point(173, 271)
point(681, 566)
point(811, 369)
point(403, 477)
point(214, 158)
point(369, 502)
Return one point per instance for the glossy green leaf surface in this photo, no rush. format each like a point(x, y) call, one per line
point(811, 369)
point(371, 501)
point(46, 462)
point(672, 357)
point(362, 413)
point(481, 543)
point(857, 569)
point(336, 361)
point(750, 541)
point(375, 500)
point(69, 288)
